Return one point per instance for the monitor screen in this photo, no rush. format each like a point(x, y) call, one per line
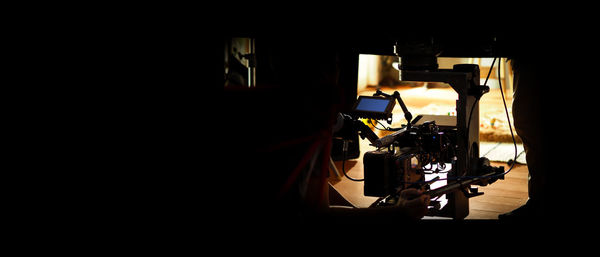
point(372, 104)
point(372, 107)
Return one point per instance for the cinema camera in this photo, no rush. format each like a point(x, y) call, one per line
point(427, 144)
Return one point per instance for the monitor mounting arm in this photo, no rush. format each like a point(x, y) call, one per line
point(396, 95)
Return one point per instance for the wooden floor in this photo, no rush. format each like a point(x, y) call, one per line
point(500, 197)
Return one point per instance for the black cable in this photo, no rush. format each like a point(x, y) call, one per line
point(479, 97)
point(383, 125)
point(375, 125)
point(344, 150)
point(509, 124)
point(490, 72)
point(385, 128)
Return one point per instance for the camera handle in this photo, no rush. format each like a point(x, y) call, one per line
point(396, 95)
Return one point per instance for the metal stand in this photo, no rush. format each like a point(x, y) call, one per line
point(464, 79)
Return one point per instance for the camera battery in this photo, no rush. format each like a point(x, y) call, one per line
point(387, 172)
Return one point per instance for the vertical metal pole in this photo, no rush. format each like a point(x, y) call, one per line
point(252, 64)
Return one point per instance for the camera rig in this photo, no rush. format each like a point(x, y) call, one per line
point(427, 144)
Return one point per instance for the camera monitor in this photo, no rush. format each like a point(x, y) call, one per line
point(372, 107)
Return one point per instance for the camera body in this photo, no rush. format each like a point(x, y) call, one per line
point(421, 148)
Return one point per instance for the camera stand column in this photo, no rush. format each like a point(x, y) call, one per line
point(464, 79)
